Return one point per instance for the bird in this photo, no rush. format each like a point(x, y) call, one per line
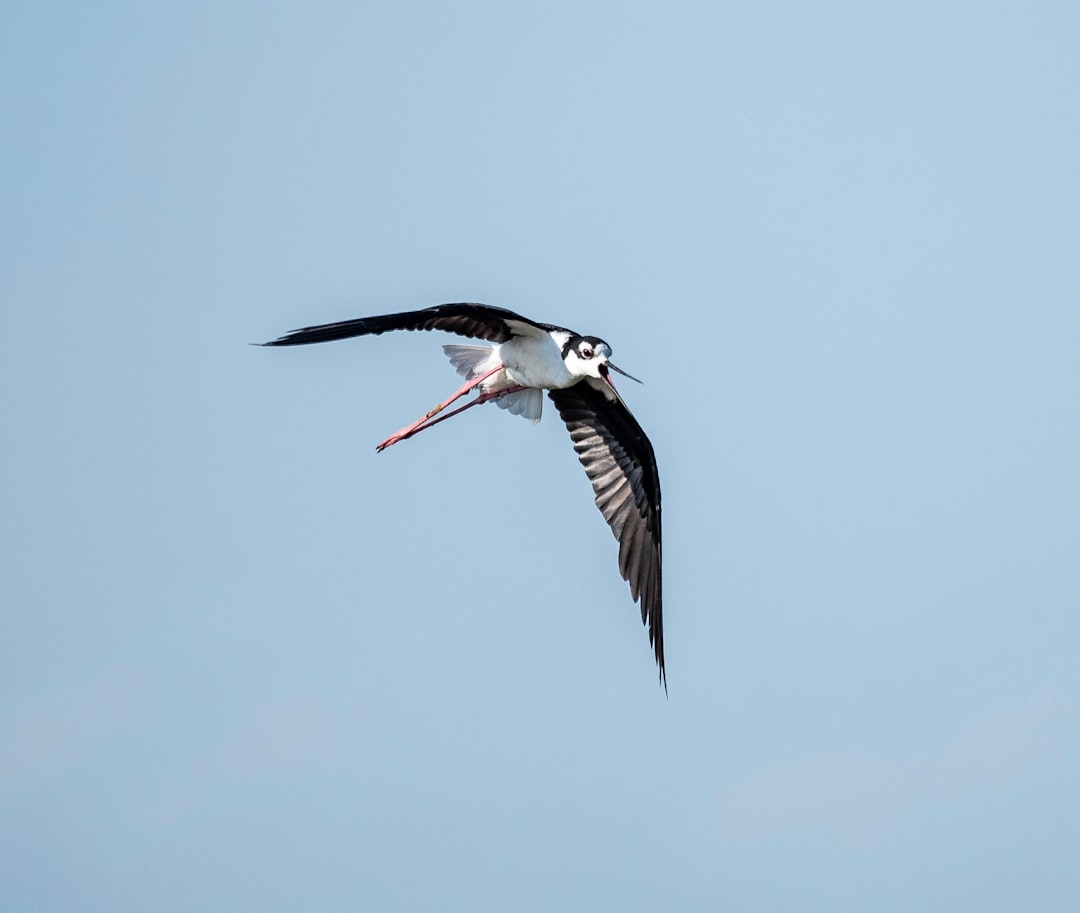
point(525, 358)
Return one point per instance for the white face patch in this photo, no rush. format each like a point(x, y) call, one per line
point(590, 350)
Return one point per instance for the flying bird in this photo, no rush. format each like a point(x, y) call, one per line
point(527, 358)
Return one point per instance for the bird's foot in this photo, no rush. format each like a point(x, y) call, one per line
point(390, 441)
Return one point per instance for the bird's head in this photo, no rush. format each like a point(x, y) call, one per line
point(589, 356)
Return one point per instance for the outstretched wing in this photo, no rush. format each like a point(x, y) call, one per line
point(476, 321)
point(620, 463)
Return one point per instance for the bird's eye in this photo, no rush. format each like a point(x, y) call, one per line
point(586, 352)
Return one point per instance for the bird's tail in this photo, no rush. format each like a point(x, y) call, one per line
point(472, 361)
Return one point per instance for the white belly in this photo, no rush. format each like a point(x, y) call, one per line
point(535, 362)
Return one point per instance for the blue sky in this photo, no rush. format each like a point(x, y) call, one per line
point(248, 664)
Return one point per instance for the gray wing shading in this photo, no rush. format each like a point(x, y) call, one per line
point(476, 321)
point(621, 466)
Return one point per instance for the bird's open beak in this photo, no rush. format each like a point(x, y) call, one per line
point(623, 373)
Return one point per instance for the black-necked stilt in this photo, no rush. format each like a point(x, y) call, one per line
point(527, 358)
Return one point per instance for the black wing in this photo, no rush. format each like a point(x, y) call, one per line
point(620, 463)
point(477, 321)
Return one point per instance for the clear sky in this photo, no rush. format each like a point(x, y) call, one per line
point(247, 664)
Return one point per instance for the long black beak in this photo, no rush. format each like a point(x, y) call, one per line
point(624, 374)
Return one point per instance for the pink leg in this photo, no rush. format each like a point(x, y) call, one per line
point(424, 423)
point(410, 430)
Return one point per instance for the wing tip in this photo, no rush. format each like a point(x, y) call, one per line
point(292, 338)
point(658, 651)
